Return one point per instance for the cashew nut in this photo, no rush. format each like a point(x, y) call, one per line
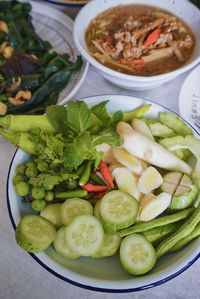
point(21, 97)
point(3, 27)
point(6, 50)
point(3, 109)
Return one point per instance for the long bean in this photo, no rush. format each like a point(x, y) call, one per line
point(194, 234)
point(141, 227)
point(156, 234)
point(181, 233)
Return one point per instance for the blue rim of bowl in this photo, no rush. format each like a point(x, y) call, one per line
point(64, 4)
point(97, 289)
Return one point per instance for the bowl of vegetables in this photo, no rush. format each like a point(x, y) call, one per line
point(139, 45)
point(104, 192)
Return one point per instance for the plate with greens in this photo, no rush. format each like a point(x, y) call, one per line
point(39, 63)
point(112, 185)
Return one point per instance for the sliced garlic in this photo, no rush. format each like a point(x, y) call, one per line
point(150, 179)
point(126, 181)
point(155, 206)
point(128, 160)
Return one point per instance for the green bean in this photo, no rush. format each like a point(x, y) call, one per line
point(71, 194)
point(181, 233)
point(156, 234)
point(86, 174)
point(141, 227)
point(194, 234)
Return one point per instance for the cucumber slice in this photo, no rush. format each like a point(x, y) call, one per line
point(97, 210)
point(137, 254)
point(84, 235)
point(118, 210)
point(109, 247)
point(171, 181)
point(52, 213)
point(74, 207)
point(61, 245)
point(184, 201)
point(34, 233)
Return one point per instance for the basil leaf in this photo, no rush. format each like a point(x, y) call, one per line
point(100, 111)
point(78, 117)
point(57, 116)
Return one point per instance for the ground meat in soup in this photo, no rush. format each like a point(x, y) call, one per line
point(140, 40)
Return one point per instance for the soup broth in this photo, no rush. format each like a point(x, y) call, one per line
point(140, 40)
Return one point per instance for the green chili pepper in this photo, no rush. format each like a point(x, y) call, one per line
point(96, 179)
point(86, 174)
point(184, 231)
point(141, 227)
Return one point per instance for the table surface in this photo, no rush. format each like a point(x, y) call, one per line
point(21, 277)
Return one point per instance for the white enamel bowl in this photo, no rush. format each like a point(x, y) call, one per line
point(182, 8)
point(105, 275)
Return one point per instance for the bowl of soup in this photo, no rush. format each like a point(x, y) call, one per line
point(139, 45)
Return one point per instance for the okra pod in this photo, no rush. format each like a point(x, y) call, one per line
point(184, 231)
point(141, 227)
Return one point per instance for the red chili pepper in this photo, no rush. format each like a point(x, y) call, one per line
point(100, 194)
point(94, 188)
point(104, 170)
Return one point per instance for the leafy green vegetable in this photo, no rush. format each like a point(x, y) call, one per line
point(78, 117)
point(100, 111)
point(57, 116)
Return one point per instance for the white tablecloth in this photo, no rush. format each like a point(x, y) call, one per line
point(22, 278)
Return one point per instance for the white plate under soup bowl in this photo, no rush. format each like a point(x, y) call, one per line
point(107, 274)
point(181, 8)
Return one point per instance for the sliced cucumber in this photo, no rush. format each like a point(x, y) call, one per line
point(118, 210)
point(74, 207)
point(97, 210)
point(84, 235)
point(137, 254)
point(61, 246)
point(109, 247)
point(34, 233)
point(184, 201)
point(185, 185)
point(52, 213)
